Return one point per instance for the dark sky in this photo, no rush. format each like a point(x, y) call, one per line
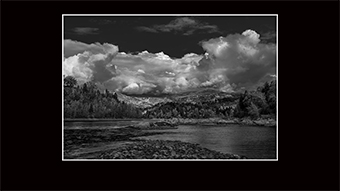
point(163, 33)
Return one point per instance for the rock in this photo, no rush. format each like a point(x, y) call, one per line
point(143, 125)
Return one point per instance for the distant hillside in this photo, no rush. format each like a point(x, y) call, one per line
point(141, 102)
point(207, 103)
point(199, 104)
point(202, 95)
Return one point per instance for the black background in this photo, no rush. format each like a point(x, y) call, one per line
point(308, 52)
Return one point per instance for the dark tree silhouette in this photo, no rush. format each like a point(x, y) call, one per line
point(70, 81)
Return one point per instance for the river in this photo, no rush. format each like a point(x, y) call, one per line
point(251, 141)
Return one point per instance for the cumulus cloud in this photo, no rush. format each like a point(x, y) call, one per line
point(141, 88)
point(230, 63)
point(72, 47)
point(89, 61)
point(153, 72)
point(135, 74)
point(132, 88)
point(242, 57)
point(185, 25)
point(141, 71)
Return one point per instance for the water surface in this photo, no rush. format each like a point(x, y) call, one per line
point(250, 141)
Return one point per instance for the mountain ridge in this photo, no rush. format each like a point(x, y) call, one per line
point(201, 95)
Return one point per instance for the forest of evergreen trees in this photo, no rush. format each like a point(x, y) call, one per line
point(168, 110)
point(253, 104)
point(257, 103)
point(86, 101)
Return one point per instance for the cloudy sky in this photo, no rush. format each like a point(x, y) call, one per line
point(170, 54)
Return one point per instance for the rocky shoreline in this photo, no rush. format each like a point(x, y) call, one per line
point(153, 125)
point(258, 122)
point(174, 122)
point(217, 121)
point(124, 143)
point(88, 140)
point(157, 149)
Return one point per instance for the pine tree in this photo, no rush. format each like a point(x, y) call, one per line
point(253, 111)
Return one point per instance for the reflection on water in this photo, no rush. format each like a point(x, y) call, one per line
point(250, 141)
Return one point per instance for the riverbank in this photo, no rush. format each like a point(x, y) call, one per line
point(171, 123)
point(96, 119)
point(258, 122)
point(85, 141)
point(126, 143)
point(156, 125)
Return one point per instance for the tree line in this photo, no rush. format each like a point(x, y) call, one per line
point(253, 104)
point(189, 110)
point(86, 101)
point(257, 103)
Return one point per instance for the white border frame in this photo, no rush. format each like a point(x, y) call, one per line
point(277, 114)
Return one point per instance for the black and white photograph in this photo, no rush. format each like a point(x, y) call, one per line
point(170, 95)
point(169, 87)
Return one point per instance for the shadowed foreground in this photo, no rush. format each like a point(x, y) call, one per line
point(156, 149)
